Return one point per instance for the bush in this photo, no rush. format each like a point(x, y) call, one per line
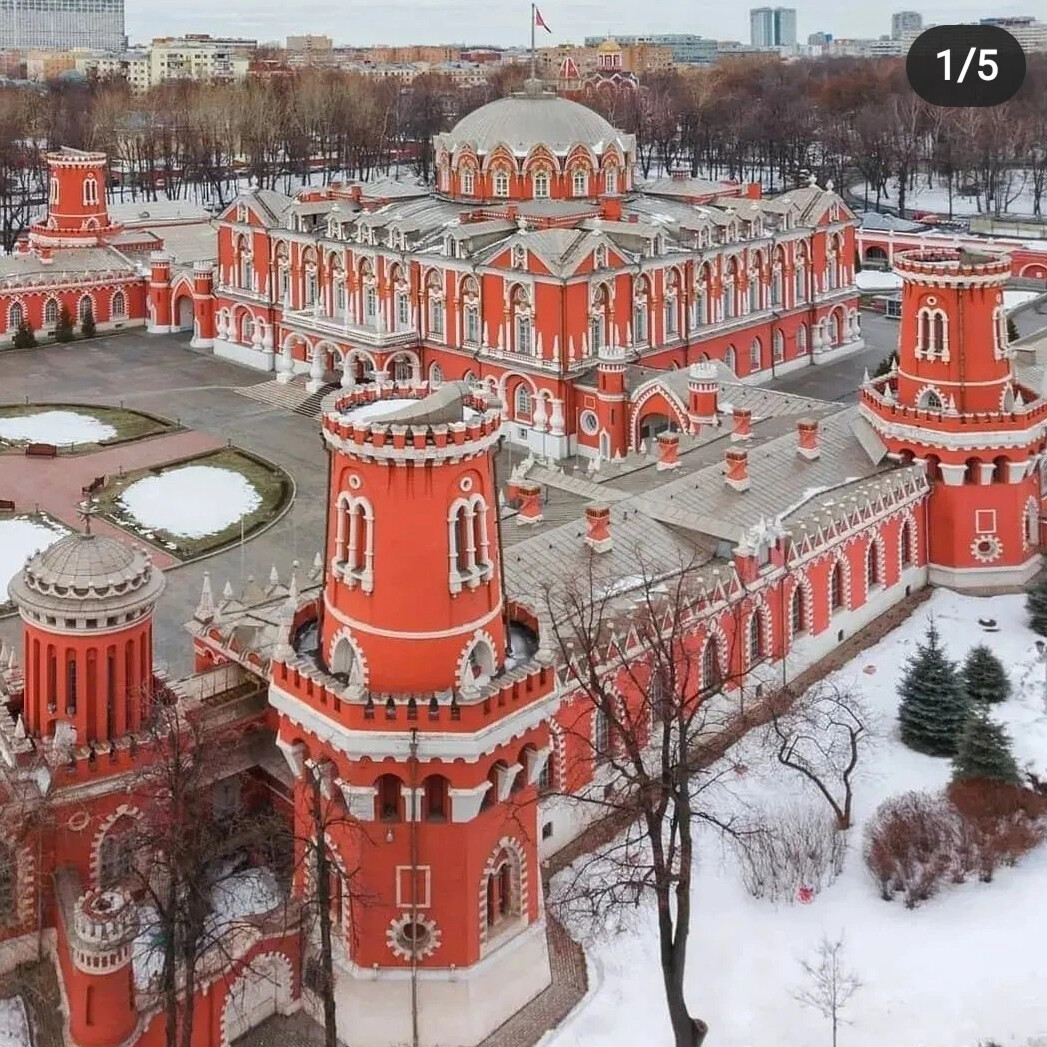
point(25, 336)
point(797, 847)
point(1013, 334)
point(885, 365)
point(87, 324)
point(1036, 604)
point(64, 327)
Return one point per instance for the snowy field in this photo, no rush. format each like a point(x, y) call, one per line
point(191, 502)
point(20, 538)
point(961, 969)
point(14, 1023)
point(871, 280)
point(55, 427)
point(1018, 199)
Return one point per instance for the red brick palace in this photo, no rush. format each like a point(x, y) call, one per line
point(423, 693)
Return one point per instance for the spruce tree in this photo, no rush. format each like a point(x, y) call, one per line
point(64, 327)
point(87, 324)
point(1036, 604)
point(984, 677)
point(984, 751)
point(25, 337)
point(1012, 330)
point(933, 708)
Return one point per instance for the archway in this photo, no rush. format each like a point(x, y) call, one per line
point(262, 990)
point(651, 425)
point(184, 313)
point(876, 256)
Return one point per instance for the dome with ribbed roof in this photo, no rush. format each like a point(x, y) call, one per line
point(85, 574)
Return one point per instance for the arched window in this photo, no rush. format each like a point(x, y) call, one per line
point(779, 347)
point(8, 885)
point(800, 274)
point(119, 306)
point(798, 611)
point(436, 798)
point(755, 355)
point(468, 181)
point(501, 183)
point(601, 735)
point(503, 889)
point(836, 588)
point(730, 358)
point(403, 369)
point(86, 307)
point(481, 661)
point(872, 565)
point(906, 542)
point(712, 676)
point(15, 316)
point(116, 853)
point(524, 402)
point(436, 376)
point(929, 400)
point(730, 283)
point(641, 312)
point(343, 659)
point(540, 183)
point(55, 191)
point(755, 638)
point(580, 182)
point(436, 305)
point(801, 338)
point(522, 341)
point(90, 190)
point(610, 180)
point(389, 798)
point(354, 540)
point(51, 311)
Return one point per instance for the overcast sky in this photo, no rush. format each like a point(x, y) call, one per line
point(506, 22)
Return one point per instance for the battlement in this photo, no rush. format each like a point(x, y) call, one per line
point(953, 265)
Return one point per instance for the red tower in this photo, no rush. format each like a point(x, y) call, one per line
point(953, 401)
point(77, 215)
point(408, 700)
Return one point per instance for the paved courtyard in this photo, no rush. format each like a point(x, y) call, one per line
point(162, 375)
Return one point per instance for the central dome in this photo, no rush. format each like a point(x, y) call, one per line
point(526, 120)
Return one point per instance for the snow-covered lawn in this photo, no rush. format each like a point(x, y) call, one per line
point(961, 969)
point(20, 538)
point(1018, 198)
point(873, 280)
point(55, 427)
point(14, 1023)
point(190, 502)
point(1012, 299)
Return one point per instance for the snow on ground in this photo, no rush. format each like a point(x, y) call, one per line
point(962, 968)
point(55, 427)
point(873, 280)
point(1012, 299)
point(1018, 200)
point(191, 502)
point(14, 1023)
point(20, 538)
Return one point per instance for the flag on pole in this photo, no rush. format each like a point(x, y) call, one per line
point(540, 21)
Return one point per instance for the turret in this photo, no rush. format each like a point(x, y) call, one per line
point(159, 293)
point(203, 305)
point(703, 388)
point(77, 214)
point(612, 409)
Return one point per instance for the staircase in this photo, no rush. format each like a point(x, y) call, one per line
point(310, 406)
point(291, 397)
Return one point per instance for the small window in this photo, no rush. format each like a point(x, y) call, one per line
point(541, 185)
point(580, 182)
point(468, 182)
point(51, 312)
point(501, 184)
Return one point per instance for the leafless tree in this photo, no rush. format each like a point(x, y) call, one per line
point(645, 701)
point(822, 735)
point(829, 986)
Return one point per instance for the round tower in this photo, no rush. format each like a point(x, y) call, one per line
point(77, 213)
point(86, 604)
point(159, 293)
point(421, 708)
point(203, 305)
point(611, 406)
point(954, 402)
point(102, 1010)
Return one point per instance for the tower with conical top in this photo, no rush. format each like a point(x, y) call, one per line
point(954, 403)
point(411, 695)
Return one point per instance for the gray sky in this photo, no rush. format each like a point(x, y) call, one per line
point(362, 22)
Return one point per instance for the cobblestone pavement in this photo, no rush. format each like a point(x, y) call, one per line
point(54, 484)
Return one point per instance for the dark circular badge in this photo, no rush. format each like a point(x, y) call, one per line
point(965, 65)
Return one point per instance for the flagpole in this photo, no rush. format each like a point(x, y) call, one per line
point(534, 70)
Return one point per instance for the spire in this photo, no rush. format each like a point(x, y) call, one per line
point(205, 608)
point(274, 577)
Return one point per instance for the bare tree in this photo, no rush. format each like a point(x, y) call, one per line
point(829, 986)
point(646, 698)
point(821, 735)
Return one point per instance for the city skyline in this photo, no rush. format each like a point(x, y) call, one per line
point(435, 21)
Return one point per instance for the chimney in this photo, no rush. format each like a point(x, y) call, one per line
point(611, 208)
point(668, 452)
point(808, 433)
point(598, 528)
point(703, 388)
point(743, 425)
point(736, 468)
point(530, 495)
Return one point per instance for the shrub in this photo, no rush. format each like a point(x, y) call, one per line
point(87, 324)
point(64, 327)
point(1013, 334)
point(25, 336)
point(1036, 604)
point(984, 677)
point(794, 848)
point(909, 846)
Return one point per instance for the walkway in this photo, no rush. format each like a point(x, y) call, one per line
point(54, 484)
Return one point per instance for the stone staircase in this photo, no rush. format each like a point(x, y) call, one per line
point(291, 397)
point(310, 406)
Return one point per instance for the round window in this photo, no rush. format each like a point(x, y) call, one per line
point(414, 937)
point(589, 422)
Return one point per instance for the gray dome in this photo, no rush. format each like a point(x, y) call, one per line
point(86, 574)
point(526, 120)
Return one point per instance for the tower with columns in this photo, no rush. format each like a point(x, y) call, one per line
point(415, 698)
point(953, 402)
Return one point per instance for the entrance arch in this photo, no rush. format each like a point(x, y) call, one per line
point(184, 313)
point(261, 990)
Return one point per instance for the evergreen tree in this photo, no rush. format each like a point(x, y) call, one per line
point(1036, 604)
point(87, 323)
point(984, 677)
point(25, 337)
point(933, 708)
point(64, 327)
point(1012, 330)
point(885, 365)
point(984, 751)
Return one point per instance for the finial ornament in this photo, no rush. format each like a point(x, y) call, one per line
point(86, 510)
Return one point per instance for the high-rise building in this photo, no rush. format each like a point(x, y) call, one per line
point(905, 22)
point(772, 26)
point(97, 25)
